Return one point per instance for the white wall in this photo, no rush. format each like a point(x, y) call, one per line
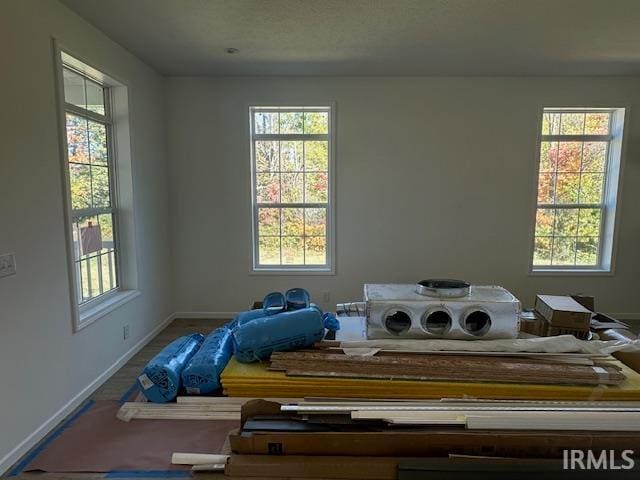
point(42, 363)
point(435, 177)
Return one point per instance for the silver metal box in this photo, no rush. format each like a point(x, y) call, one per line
point(398, 311)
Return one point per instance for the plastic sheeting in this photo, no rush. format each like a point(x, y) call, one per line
point(256, 338)
point(160, 380)
point(201, 376)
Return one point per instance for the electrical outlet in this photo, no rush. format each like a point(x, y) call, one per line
point(326, 296)
point(7, 265)
point(125, 331)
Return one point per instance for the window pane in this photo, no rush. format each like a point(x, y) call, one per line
point(267, 156)
point(597, 123)
point(316, 122)
point(100, 183)
point(589, 225)
point(550, 123)
point(548, 156)
point(594, 156)
point(316, 156)
point(94, 276)
point(292, 251)
point(591, 187)
point(268, 221)
point(98, 143)
point(84, 281)
point(77, 139)
point(569, 156)
point(95, 97)
point(564, 251)
point(292, 221)
point(291, 156)
point(572, 124)
point(290, 122)
point(266, 122)
point(546, 188)
point(106, 271)
point(544, 222)
point(315, 221)
point(269, 250)
point(316, 187)
point(74, 91)
point(542, 251)
point(566, 222)
point(80, 180)
point(106, 229)
point(587, 251)
point(268, 187)
point(292, 188)
point(567, 187)
point(315, 251)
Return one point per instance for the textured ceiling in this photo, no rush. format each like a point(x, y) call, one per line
point(375, 37)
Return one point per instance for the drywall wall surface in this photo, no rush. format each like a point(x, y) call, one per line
point(43, 363)
point(434, 177)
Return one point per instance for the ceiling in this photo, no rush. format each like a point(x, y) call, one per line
point(375, 37)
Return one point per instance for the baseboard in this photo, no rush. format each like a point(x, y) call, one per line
point(208, 315)
point(28, 443)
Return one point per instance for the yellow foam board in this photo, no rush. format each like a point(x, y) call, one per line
point(255, 380)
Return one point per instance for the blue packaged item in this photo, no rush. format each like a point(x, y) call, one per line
point(297, 298)
point(160, 380)
point(201, 376)
point(256, 338)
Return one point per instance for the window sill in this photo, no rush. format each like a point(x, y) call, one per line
point(550, 272)
point(292, 271)
point(90, 315)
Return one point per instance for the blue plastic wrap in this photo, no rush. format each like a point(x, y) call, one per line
point(201, 376)
point(257, 338)
point(160, 380)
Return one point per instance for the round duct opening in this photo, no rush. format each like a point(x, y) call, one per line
point(476, 322)
point(397, 321)
point(436, 322)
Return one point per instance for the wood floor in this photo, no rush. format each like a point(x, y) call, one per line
point(121, 381)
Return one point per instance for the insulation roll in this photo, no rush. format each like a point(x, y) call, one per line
point(201, 376)
point(256, 339)
point(160, 380)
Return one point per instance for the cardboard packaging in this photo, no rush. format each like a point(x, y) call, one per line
point(427, 442)
point(563, 312)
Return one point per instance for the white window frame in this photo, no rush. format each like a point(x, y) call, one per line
point(84, 314)
point(329, 267)
point(611, 192)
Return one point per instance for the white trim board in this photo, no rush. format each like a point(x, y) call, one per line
point(28, 443)
point(206, 315)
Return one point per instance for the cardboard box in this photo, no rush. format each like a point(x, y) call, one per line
point(562, 311)
point(317, 467)
point(533, 323)
point(432, 443)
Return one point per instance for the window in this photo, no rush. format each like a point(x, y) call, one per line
point(291, 150)
point(578, 173)
point(91, 184)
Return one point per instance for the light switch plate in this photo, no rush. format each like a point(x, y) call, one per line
point(7, 265)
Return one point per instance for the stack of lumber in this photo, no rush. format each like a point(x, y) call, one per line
point(344, 439)
point(257, 380)
point(479, 415)
point(477, 368)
